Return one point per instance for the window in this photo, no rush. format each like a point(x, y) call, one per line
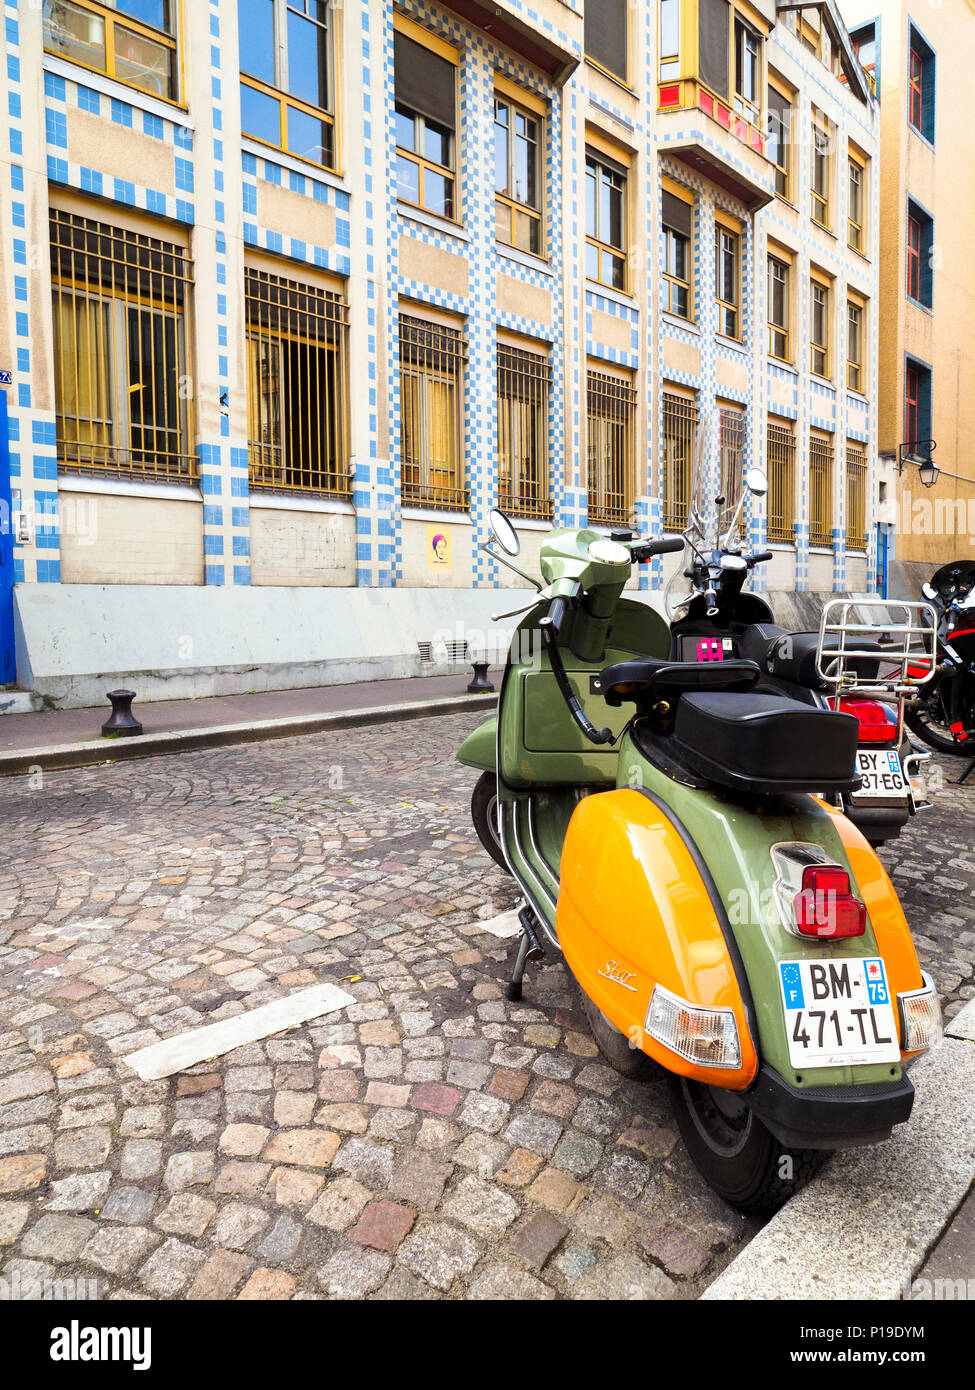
point(821, 489)
point(819, 310)
point(920, 83)
point(780, 449)
point(854, 344)
point(678, 439)
point(856, 495)
point(133, 41)
point(610, 412)
point(669, 42)
point(855, 213)
point(778, 145)
point(285, 77)
point(517, 181)
point(819, 191)
point(917, 401)
point(675, 289)
point(120, 303)
point(296, 385)
point(431, 378)
point(748, 68)
point(523, 385)
point(731, 458)
point(779, 274)
point(727, 283)
point(920, 246)
point(426, 103)
point(606, 215)
point(605, 35)
point(865, 47)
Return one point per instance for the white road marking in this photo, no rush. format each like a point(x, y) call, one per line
point(200, 1044)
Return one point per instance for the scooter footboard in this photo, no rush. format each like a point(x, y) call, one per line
point(637, 910)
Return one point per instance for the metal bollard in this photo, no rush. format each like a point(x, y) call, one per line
point(480, 684)
point(121, 723)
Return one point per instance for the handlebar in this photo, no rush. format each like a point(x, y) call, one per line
point(759, 559)
point(646, 550)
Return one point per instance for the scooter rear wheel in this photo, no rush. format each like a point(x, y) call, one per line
point(484, 814)
point(734, 1152)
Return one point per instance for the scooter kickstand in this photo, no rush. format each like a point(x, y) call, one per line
point(529, 948)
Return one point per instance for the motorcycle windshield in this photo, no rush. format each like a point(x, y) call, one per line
point(717, 477)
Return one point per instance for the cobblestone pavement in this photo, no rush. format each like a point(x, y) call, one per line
point(433, 1140)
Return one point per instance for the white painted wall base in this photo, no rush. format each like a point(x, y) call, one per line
point(76, 641)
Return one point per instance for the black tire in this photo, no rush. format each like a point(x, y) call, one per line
point(615, 1046)
point(733, 1151)
point(484, 814)
point(941, 743)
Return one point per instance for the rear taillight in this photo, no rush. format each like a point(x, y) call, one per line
point(825, 908)
point(877, 725)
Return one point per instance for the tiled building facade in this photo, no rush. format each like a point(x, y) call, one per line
point(294, 293)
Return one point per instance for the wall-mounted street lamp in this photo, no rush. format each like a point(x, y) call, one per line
point(918, 452)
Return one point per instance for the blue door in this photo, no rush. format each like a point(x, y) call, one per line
point(8, 665)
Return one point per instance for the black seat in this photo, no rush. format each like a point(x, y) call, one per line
point(791, 656)
point(767, 743)
point(639, 680)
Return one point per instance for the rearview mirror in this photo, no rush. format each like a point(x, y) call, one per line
point(929, 591)
point(503, 531)
point(756, 482)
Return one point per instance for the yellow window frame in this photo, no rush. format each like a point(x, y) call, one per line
point(724, 223)
point(855, 367)
point(819, 206)
point(112, 17)
point(516, 99)
point(611, 400)
point(786, 144)
point(605, 155)
point(855, 231)
point(821, 282)
point(678, 190)
point(284, 101)
point(444, 50)
point(783, 259)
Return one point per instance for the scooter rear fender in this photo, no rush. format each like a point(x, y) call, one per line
point(637, 908)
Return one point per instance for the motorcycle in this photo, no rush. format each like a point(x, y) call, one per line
point(668, 826)
point(944, 716)
point(718, 619)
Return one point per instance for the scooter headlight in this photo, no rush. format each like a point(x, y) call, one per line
point(920, 1011)
point(707, 1037)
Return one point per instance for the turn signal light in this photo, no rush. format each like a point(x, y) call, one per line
point(825, 907)
point(921, 1025)
point(708, 1037)
point(876, 724)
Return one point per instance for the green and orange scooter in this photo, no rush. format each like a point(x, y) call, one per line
point(673, 836)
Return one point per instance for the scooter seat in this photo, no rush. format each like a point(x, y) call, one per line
point(791, 656)
point(767, 743)
point(638, 680)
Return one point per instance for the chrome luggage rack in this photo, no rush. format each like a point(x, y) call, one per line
point(908, 635)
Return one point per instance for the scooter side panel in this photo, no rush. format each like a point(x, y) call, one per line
point(633, 911)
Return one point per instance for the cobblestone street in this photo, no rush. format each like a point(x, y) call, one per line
point(433, 1140)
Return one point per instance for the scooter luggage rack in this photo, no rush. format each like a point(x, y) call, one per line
point(908, 640)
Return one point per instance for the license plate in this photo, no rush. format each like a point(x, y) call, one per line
point(882, 774)
point(838, 1012)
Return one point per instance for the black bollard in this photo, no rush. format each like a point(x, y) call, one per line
point(121, 723)
point(480, 684)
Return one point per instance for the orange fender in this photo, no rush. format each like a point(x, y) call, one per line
point(634, 911)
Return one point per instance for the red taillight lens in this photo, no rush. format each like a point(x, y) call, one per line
point(825, 907)
point(876, 724)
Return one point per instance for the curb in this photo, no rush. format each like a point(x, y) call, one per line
point(863, 1228)
point(67, 755)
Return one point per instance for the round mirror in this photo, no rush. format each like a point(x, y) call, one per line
point(928, 591)
point(503, 531)
point(756, 482)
